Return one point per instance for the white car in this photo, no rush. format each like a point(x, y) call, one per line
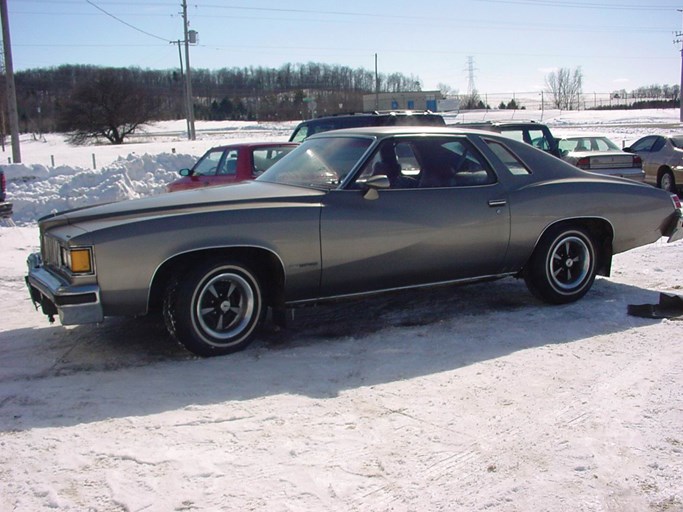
point(596, 153)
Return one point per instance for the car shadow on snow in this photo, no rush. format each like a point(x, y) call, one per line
point(134, 367)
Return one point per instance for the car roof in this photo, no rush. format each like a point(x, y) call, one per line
point(510, 122)
point(384, 131)
point(254, 145)
point(583, 136)
point(377, 113)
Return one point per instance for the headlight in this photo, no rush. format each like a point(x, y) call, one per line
point(78, 259)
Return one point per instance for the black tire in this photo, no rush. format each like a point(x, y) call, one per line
point(215, 309)
point(667, 182)
point(563, 266)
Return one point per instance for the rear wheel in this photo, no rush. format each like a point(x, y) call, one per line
point(215, 309)
point(667, 182)
point(563, 266)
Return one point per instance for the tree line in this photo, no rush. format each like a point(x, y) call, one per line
point(46, 96)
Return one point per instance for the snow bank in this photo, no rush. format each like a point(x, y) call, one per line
point(37, 190)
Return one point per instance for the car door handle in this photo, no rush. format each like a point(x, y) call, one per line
point(496, 203)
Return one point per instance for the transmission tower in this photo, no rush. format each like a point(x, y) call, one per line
point(471, 88)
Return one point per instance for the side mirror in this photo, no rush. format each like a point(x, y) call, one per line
point(373, 184)
point(185, 172)
point(629, 149)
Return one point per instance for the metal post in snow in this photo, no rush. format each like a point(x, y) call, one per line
point(680, 90)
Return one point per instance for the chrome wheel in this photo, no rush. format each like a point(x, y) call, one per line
point(569, 263)
point(224, 306)
point(215, 309)
point(666, 182)
point(562, 268)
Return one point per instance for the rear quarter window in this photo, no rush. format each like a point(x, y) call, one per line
point(508, 159)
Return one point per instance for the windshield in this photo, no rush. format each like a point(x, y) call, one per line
point(318, 163)
point(677, 141)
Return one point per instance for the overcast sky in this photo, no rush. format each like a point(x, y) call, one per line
point(513, 43)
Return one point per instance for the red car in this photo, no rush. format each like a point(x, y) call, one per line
point(229, 164)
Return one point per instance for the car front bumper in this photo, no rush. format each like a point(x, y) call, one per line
point(675, 229)
point(5, 210)
point(75, 304)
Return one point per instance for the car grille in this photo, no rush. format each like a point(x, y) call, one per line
point(50, 251)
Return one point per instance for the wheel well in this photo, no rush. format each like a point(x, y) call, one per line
point(601, 233)
point(264, 263)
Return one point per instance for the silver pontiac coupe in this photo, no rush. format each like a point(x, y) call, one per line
point(347, 213)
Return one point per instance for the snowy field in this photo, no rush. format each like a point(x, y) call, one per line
point(459, 399)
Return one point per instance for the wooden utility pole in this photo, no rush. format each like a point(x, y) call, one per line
point(11, 91)
point(680, 90)
point(188, 78)
point(376, 85)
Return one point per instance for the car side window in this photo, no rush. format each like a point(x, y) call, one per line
point(264, 158)
point(396, 160)
point(208, 164)
point(566, 145)
point(451, 162)
point(428, 162)
point(644, 144)
point(517, 135)
point(538, 139)
point(300, 134)
point(229, 164)
point(509, 159)
point(659, 144)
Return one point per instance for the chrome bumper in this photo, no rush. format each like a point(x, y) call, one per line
point(632, 173)
point(675, 230)
point(74, 304)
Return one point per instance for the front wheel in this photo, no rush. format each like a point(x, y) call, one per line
point(563, 267)
point(215, 309)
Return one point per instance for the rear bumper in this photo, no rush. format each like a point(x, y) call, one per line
point(74, 304)
point(632, 173)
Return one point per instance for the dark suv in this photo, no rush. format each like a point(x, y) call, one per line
point(531, 132)
point(323, 124)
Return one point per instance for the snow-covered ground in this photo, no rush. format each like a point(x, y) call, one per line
point(472, 398)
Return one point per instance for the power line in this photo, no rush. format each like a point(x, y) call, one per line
point(126, 23)
point(641, 6)
point(544, 3)
point(583, 5)
point(502, 25)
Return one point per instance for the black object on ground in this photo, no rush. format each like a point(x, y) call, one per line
point(670, 306)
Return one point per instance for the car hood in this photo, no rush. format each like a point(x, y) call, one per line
point(244, 194)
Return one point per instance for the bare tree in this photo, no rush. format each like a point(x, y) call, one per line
point(446, 89)
point(111, 106)
point(566, 86)
point(472, 101)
